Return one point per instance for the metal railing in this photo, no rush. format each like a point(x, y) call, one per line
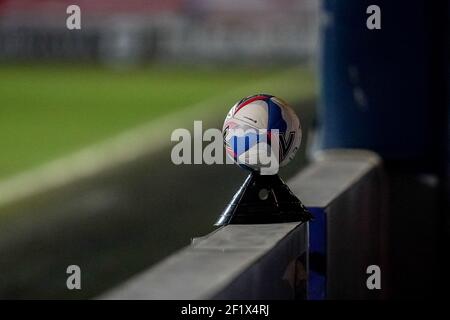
point(325, 258)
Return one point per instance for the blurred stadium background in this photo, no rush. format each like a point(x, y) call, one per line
point(86, 117)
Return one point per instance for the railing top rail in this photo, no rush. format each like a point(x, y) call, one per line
point(208, 266)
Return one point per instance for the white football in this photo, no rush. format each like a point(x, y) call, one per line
point(248, 129)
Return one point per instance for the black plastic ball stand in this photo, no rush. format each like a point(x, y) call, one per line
point(264, 199)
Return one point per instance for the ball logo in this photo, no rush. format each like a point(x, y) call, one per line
point(285, 146)
point(252, 120)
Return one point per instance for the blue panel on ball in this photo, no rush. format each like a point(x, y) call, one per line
point(241, 144)
point(275, 117)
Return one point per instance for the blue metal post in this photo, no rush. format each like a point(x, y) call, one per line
point(387, 90)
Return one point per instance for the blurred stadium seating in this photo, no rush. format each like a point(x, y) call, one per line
point(181, 30)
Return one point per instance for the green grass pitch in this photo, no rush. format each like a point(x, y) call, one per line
point(47, 111)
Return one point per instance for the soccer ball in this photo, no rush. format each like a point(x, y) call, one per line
point(248, 132)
